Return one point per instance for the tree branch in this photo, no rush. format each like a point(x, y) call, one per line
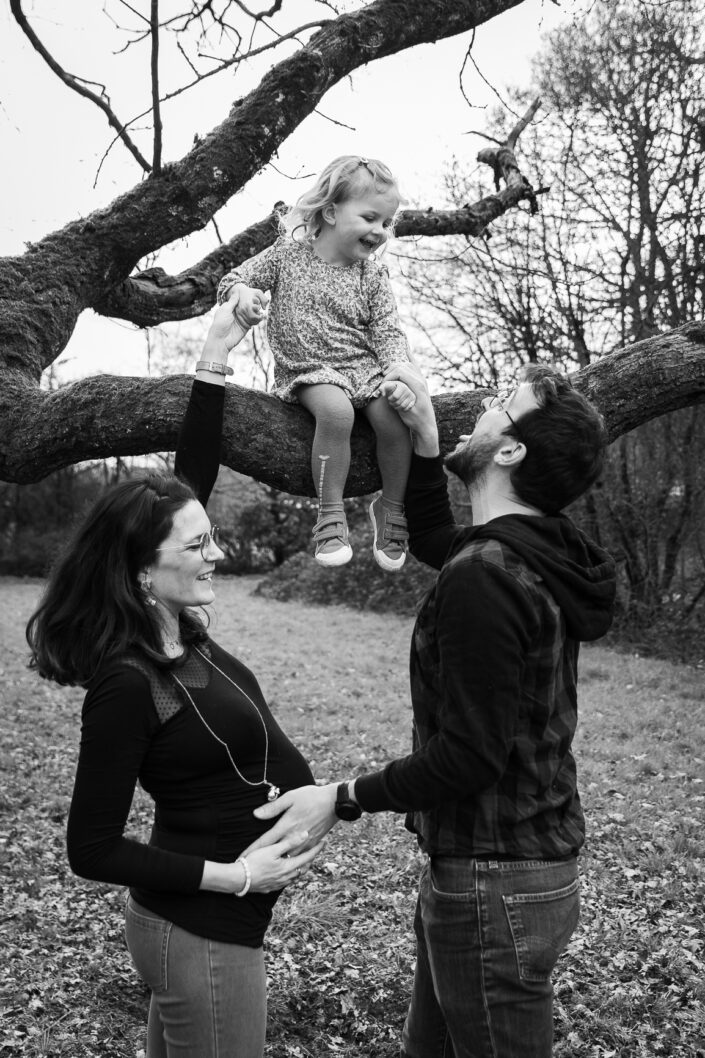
point(107, 415)
point(154, 71)
point(503, 161)
point(78, 266)
point(152, 297)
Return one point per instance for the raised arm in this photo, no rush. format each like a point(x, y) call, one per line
point(198, 447)
point(432, 526)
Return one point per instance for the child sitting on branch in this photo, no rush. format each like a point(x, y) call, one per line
point(334, 331)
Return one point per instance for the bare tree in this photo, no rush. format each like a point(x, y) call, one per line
point(615, 257)
point(89, 264)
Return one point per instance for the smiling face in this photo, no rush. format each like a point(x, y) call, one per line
point(355, 228)
point(180, 575)
point(475, 452)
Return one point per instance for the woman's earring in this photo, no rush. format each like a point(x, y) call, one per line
point(146, 585)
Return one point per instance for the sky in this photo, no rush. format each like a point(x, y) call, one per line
point(407, 110)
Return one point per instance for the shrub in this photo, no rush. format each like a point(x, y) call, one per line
point(361, 584)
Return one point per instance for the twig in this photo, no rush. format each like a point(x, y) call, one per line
point(156, 113)
point(74, 84)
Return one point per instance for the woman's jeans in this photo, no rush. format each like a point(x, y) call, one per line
point(208, 998)
point(489, 934)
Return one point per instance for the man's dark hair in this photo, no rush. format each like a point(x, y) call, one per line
point(565, 440)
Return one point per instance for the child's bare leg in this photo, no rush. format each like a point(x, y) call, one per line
point(330, 463)
point(393, 459)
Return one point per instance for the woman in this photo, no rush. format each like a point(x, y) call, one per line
point(166, 705)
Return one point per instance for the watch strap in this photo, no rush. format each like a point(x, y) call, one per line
point(345, 807)
point(214, 366)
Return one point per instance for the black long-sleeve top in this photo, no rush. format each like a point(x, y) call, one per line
point(138, 725)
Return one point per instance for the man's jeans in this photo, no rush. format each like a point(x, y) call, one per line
point(488, 937)
point(208, 998)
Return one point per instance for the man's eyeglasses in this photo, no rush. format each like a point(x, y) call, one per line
point(500, 400)
point(203, 543)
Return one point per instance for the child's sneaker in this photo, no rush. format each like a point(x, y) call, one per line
point(330, 535)
point(391, 535)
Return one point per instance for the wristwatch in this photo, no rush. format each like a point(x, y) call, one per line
point(344, 807)
point(215, 367)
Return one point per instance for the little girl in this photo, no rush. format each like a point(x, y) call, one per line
point(334, 331)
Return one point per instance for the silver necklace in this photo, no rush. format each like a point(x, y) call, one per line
point(274, 791)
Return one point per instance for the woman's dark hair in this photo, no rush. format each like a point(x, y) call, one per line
point(565, 440)
point(92, 608)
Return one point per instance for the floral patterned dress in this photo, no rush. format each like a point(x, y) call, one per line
point(327, 323)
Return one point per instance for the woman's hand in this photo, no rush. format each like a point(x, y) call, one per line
point(271, 868)
point(309, 808)
point(276, 866)
point(226, 329)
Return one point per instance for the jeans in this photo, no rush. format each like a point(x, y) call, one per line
point(488, 937)
point(209, 998)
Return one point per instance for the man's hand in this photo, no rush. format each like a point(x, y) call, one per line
point(309, 808)
point(419, 417)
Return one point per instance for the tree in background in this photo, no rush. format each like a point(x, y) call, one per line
point(617, 256)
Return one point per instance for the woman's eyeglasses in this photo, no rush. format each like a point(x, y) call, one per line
point(203, 543)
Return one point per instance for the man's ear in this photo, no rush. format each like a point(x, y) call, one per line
point(328, 213)
point(511, 453)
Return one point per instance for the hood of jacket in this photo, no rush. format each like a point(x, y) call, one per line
point(579, 575)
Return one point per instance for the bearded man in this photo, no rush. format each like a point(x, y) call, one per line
point(490, 787)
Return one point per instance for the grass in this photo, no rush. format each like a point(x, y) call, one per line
point(340, 952)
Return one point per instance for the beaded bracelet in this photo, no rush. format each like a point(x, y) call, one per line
point(248, 876)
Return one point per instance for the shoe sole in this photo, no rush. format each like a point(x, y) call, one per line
point(335, 558)
point(387, 564)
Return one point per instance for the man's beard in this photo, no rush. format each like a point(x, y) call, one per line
point(471, 462)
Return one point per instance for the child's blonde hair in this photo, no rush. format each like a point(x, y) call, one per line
point(343, 178)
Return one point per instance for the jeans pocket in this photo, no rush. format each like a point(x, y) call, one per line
point(451, 878)
point(542, 924)
point(147, 938)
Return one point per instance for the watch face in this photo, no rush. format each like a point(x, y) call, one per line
point(344, 807)
point(347, 810)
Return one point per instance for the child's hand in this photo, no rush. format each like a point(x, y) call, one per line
point(252, 305)
point(399, 395)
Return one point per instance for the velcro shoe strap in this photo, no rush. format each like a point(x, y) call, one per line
point(395, 528)
point(330, 527)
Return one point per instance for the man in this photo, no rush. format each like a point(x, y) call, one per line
point(490, 786)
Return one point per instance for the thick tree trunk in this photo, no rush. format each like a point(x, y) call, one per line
point(129, 416)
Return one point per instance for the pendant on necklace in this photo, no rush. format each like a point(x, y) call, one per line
point(274, 792)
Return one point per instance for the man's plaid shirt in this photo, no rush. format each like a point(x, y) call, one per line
point(493, 682)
